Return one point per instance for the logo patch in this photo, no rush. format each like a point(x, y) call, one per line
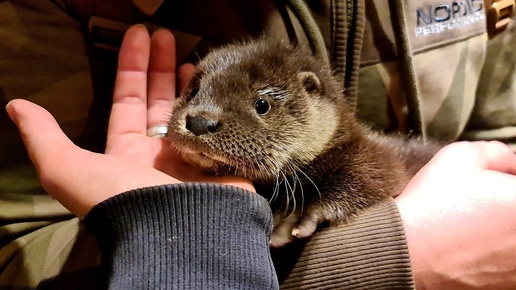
point(444, 17)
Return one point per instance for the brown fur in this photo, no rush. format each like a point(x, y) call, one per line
point(308, 153)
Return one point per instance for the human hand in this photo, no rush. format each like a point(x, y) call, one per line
point(459, 214)
point(144, 94)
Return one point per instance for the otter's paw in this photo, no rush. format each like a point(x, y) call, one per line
point(308, 223)
point(287, 229)
point(283, 227)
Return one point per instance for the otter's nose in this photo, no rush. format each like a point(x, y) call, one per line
point(201, 125)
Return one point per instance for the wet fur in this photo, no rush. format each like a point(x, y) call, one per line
point(309, 155)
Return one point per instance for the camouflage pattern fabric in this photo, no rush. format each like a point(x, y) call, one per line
point(448, 61)
point(447, 98)
point(466, 83)
point(43, 59)
point(494, 113)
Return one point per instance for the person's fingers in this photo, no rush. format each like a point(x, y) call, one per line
point(186, 72)
point(497, 156)
point(491, 155)
point(129, 110)
point(162, 77)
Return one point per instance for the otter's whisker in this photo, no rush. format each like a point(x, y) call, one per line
point(302, 197)
point(311, 181)
point(290, 192)
point(287, 195)
point(275, 192)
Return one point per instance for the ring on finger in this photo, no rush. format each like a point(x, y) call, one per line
point(157, 131)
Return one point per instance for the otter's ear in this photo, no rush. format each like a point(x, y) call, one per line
point(310, 81)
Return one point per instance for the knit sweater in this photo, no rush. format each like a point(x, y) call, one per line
point(207, 236)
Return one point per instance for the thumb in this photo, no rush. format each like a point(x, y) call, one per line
point(40, 132)
point(77, 178)
point(46, 144)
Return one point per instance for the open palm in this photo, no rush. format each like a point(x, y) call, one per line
point(144, 93)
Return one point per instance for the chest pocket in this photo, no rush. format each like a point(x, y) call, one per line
point(447, 48)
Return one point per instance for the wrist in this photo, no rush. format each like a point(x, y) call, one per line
point(435, 264)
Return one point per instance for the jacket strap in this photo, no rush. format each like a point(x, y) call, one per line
point(499, 14)
point(109, 21)
point(148, 7)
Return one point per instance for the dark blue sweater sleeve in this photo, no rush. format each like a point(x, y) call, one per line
point(185, 236)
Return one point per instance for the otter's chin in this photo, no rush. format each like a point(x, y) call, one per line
point(199, 159)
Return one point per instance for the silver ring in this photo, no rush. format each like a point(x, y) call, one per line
point(157, 131)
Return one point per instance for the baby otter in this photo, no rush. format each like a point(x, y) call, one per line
point(273, 113)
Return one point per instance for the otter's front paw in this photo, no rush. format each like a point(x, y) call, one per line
point(287, 229)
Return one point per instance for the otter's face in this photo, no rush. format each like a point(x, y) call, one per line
point(241, 116)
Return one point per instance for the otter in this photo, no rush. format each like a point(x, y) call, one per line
point(274, 114)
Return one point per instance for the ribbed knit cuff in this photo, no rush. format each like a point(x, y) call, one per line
point(368, 253)
point(187, 236)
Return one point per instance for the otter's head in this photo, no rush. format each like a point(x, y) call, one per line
point(257, 110)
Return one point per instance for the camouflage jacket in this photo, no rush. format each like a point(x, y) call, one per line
point(442, 69)
point(431, 67)
point(423, 67)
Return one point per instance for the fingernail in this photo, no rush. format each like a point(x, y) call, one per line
point(11, 112)
point(140, 25)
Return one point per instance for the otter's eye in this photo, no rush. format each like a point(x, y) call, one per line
point(261, 106)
